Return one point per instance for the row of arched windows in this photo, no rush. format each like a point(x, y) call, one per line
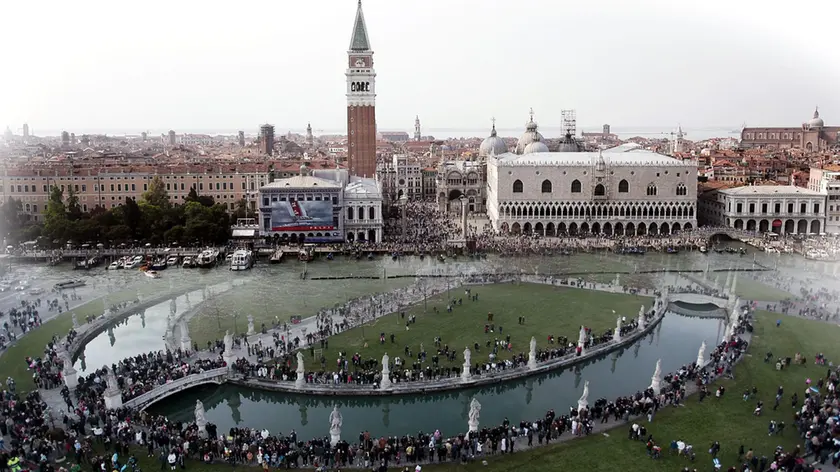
point(553, 210)
point(600, 190)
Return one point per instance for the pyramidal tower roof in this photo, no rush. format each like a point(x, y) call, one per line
point(359, 41)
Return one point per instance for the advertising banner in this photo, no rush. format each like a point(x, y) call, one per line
point(303, 216)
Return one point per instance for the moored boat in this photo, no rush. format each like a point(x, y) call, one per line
point(241, 260)
point(69, 284)
point(207, 258)
point(188, 262)
point(306, 253)
point(152, 274)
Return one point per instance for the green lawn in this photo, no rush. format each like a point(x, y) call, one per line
point(548, 310)
point(750, 289)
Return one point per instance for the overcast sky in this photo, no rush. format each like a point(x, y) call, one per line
point(211, 65)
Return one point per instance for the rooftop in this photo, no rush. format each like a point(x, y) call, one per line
point(623, 156)
point(760, 190)
point(302, 182)
point(363, 188)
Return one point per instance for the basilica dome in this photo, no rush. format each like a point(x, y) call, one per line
point(816, 121)
point(492, 145)
point(535, 146)
point(529, 136)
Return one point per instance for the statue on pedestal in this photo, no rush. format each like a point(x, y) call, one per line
point(582, 338)
point(301, 373)
point(228, 343)
point(466, 374)
point(111, 381)
point(583, 402)
point(656, 380)
point(105, 305)
point(336, 421)
point(532, 354)
point(200, 418)
point(617, 332)
point(75, 321)
point(385, 383)
point(701, 355)
point(474, 414)
point(251, 325)
point(641, 321)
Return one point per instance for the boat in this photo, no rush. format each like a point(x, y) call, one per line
point(152, 274)
point(672, 250)
point(172, 261)
point(306, 253)
point(81, 265)
point(159, 264)
point(115, 265)
point(36, 291)
point(703, 249)
point(69, 284)
point(370, 256)
point(134, 262)
point(277, 257)
point(242, 259)
point(188, 262)
point(330, 256)
point(207, 258)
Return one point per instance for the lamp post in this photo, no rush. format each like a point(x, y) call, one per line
point(463, 200)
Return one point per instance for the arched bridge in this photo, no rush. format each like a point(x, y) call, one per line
point(697, 304)
point(215, 376)
point(709, 233)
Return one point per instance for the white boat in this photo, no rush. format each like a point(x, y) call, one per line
point(134, 262)
point(188, 263)
point(115, 265)
point(172, 261)
point(70, 284)
point(242, 260)
point(152, 274)
point(207, 258)
point(36, 291)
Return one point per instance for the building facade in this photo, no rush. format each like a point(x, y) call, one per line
point(812, 135)
point(827, 182)
point(462, 178)
point(620, 191)
point(781, 209)
point(403, 176)
point(363, 219)
point(361, 102)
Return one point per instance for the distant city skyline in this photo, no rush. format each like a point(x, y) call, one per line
point(650, 64)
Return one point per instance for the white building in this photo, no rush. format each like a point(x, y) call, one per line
point(827, 182)
point(195, 139)
point(363, 210)
point(322, 206)
point(461, 178)
point(782, 209)
point(624, 190)
point(401, 176)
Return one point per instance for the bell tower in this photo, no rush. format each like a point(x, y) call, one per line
point(361, 101)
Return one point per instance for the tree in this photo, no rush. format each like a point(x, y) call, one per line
point(74, 210)
point(240, 211)
point(132, 216)
point(55, 216)
point(157, 195)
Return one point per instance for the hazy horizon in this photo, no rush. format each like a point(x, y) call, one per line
point(191, 65)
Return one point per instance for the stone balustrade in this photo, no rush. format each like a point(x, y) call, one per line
point(217, 376)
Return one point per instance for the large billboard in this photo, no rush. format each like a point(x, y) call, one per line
point(302, 216)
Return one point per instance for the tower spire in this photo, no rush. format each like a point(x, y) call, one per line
point(359, 40)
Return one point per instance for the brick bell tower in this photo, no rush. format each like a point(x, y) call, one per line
point(361, 101)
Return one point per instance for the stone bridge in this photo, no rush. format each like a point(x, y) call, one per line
point(698, 305)
point(710, 232)
point(215, 376)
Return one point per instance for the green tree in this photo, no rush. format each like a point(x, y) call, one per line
point(240, 211)
point(132, 216)
point(157, 195)
point(55, 216)
point(74, 210)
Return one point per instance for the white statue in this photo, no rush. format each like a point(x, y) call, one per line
point(75, 321)
point(656, 380)
point(111, 381)
point(251, 325)
point(583, 402)
point(466, 374)
point(385, 383)
point(105, 305)
point(701, 355)
point(475, 413)
point(336, 421)
point(67, 360)
point(200, 419)
point(617, 332)
point(582, 338)
point(641, 321)
point(301, 373)
point(228, 343)
point(532, 354)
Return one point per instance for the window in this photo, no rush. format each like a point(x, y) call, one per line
point(623, 186)
point(816, 207)
point(371, 213)
point(600, 191)
point(681, 190)
point(145, 187)
point(803, 208)
point(739, 208)
point(651, 190)
point(517, 186)
point(752, 207)
point(546, 186)
point(112, 187)
point(764, 208)
point(243, 186)
point(265, 201)
point(349, 213)
point(790, 208)
point(576, 187)
point(777, 208)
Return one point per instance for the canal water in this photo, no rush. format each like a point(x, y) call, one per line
point(676, 341)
